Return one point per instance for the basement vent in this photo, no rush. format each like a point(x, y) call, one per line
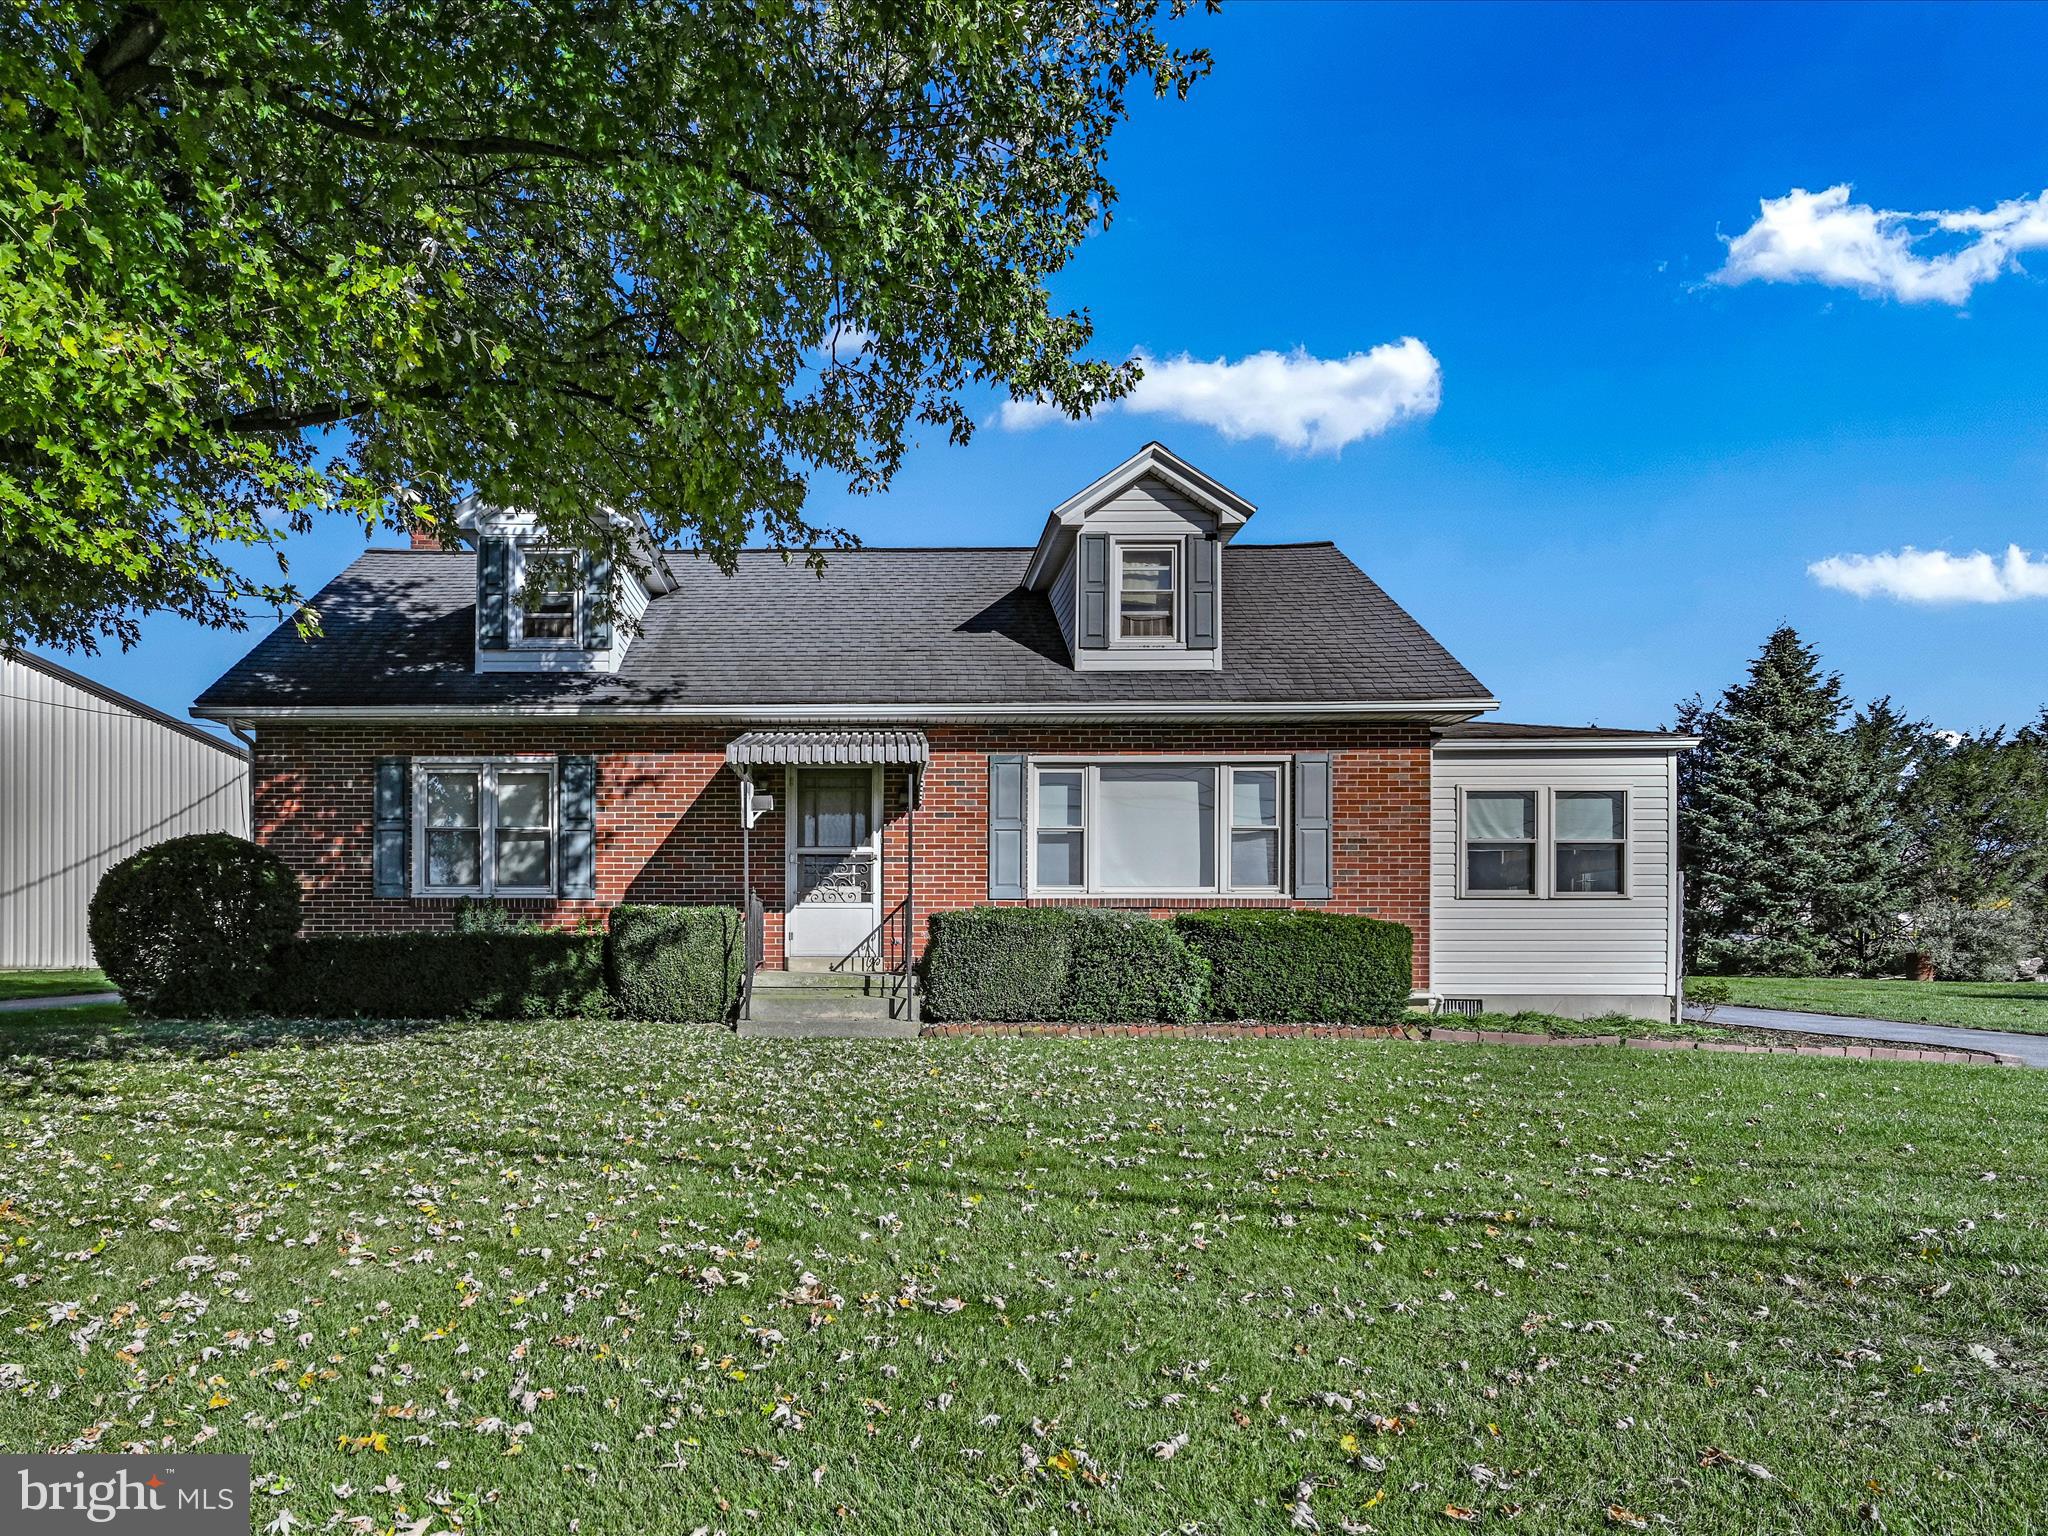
point(1469, 1007)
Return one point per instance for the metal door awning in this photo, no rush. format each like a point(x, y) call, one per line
point(828, 748)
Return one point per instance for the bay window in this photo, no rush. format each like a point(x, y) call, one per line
point(1157, 828)
point(484, 827)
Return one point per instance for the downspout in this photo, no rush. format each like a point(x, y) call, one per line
point(241, 732)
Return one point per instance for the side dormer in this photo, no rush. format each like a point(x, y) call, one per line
point(546, 608)
point(1133, 566)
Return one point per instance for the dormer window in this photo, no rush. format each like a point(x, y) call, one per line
point(549, 588)
point(1148, 589)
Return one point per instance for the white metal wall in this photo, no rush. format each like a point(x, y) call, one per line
point(84, 782)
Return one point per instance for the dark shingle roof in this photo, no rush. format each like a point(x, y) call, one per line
point(1502, 730)
point(910, 627)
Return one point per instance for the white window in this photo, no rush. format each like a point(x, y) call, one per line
point(1153, 827)
point(484, 827)
point(548, 597)
point(1589, 836)
point(1147, 593)
point(1500, 842)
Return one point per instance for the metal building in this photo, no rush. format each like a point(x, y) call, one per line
point(87, 777)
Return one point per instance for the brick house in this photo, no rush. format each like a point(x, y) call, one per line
point(1141, 711)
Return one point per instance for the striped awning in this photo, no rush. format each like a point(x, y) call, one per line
point(828, 748)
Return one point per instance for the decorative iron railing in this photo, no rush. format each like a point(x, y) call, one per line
point(887, 952)
point(757, 951)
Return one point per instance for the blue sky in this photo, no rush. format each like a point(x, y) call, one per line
point(1615, 480)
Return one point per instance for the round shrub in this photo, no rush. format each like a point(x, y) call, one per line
point(191, 927)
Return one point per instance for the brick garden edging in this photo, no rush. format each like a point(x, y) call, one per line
point(1471, 1037)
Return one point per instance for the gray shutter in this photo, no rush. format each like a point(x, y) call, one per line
point(493, 591)
point(1005, 826)
point(579, 826)
point(394, 794)
point(1201, 563)
point(1094, 560)
point(597, 603)
point(1312, 840)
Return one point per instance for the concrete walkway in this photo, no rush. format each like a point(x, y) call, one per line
point(70, 1000)
point(2032, 1050)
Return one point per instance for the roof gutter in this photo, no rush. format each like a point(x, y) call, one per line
point(1571, 744)
point(1442, 711)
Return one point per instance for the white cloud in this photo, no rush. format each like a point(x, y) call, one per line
point(1311, 404)
point(1936, 576)
point(1822, 237)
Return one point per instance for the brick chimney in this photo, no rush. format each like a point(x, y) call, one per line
point(426, 539)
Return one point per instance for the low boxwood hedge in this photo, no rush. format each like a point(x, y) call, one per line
point(677, 963)
point(1286, 967)
point(1059, 965)
point(443, 975)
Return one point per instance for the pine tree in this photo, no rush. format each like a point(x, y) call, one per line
point(1789, 852)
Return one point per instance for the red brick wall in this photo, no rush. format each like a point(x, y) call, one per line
point(668, 813)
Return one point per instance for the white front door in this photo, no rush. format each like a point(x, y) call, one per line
point(834, 885)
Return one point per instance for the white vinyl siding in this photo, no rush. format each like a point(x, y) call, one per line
point(83, 784)
point(1063, 594)
point(1551, 944)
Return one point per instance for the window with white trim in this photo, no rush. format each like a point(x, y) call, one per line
point(547, 605)
point(484, 827)
point(1500, 842)
point(1589, 838)
point(1158, 827)
point(1147, 594)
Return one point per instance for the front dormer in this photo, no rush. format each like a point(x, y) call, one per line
point(542, 607)
point(1133, 566)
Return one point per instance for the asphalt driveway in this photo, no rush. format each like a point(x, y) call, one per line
point(2030, 1049)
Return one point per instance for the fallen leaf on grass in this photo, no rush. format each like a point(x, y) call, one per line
point(1628, 1518)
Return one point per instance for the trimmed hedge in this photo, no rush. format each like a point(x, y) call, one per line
point(677, 963)
point(191, 926)
point(1059, 965)
point(1285, 967)
point(443, 976)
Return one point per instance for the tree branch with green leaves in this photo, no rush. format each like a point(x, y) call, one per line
point(261, 264)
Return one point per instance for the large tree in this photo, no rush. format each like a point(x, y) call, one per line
point(1789, 853)
point(260, 262)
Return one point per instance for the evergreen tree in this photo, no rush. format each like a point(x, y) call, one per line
point(1789, 851)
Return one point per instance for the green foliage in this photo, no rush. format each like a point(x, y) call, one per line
point(443, 975)
point(1127, 968)
point(494, 917)
point(1708, 994)
point(667, 259)
point(677, 963)
point(190, 927)
point(1283, 967)
point(1790, 858)
point(1060, 964)
point(1972, 943)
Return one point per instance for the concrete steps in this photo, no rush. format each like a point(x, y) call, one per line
point(805, 1004)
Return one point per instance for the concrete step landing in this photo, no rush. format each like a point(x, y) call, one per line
point(823, 1004)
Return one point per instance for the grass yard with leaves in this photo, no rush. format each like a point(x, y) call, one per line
point(19, 984)
point(506, 1277)
point(2021, 1006)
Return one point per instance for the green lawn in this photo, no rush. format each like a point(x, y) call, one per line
point(648, 1277)
point(15, 984)
point(2014, 1005)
